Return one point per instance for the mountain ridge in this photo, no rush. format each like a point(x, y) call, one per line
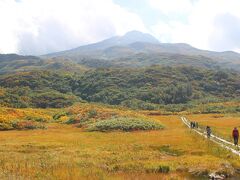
point(128, 38)
point(134, 49)
point(133, 43)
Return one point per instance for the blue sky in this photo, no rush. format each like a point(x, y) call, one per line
point(148, 14)
point(141, 7)
point(44, 26)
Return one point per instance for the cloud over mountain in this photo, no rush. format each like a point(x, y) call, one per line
point(205, 24)
point(38, 27)
point(43, 26)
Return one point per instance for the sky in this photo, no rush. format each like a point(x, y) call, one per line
point(43, 26)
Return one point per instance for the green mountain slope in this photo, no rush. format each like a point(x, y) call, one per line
point(37, 89)
point(15, 63)
point(128, 87)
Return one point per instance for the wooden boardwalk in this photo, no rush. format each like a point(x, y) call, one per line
point(221, 142)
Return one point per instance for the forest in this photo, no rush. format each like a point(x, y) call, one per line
point(141, 88)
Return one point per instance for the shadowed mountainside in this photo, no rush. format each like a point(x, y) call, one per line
point(136, 49)
point(10, 63)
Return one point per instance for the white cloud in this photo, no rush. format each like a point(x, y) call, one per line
point(7, 29)
point(42, 26)
point(206, 26)
point(226, 32)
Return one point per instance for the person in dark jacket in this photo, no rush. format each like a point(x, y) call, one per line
point(209, 131)
point(235, 135)
point(196, 124)
point(191, 124)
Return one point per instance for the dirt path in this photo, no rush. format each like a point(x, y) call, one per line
point(221, 142)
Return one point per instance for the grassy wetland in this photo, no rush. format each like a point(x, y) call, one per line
point(66, 149)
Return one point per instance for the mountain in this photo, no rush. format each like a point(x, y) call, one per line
point(11, 57)
point(137, 49)
point(134, 49)
point(96, 48)
point(121, 70)
point(16, 63)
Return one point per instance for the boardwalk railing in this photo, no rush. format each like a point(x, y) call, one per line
point(221, 142)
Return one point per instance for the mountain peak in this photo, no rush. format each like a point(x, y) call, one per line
point(134, 32)
point(137, 36)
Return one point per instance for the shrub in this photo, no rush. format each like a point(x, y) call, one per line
point(72, 121)
point(27, 125)
point(82, 124)
point(59, 115)
point(5, 126)
point(40, 120)
point(92, 113)
point(124, 124)
point(213, 109)
point(158, 169)
point(37, 119)
point(177, 107)
point(237, 109)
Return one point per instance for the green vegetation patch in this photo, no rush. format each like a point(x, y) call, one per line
point(166, 149)
point(59, 115)
point(173, 89)
point(124, 124)
point(157, 168)
point(21, 125)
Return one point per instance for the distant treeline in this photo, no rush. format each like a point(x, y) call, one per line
point(135, 88)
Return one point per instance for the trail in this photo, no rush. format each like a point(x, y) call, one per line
point(221, 142)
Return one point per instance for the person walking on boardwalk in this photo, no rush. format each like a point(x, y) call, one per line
point(209, 131)
point(192, 124)
point(196, 124)
point(235, 135)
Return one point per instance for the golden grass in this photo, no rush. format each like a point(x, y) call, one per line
point(222, 124)
point(104, 112)
point(66, 152)
point(8, 114)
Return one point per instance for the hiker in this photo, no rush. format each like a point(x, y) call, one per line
point(191, 124)
point(209, 131)
point(235, 135)
point(196, 124)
